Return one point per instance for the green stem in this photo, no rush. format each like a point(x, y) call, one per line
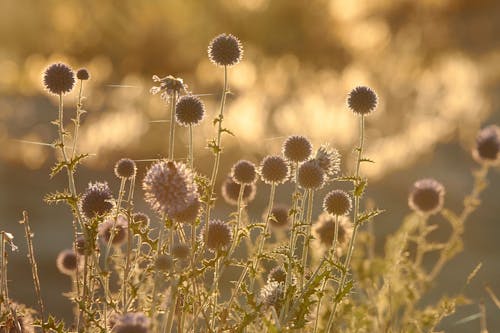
point(216, 291)
point(307, 239)
point(190, 147)
point(172, 126)
point(77, 120)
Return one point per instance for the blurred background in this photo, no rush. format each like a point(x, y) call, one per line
point(434, 64)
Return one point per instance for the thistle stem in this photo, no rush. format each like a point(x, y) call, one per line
point(305, 246)
point(190, 147)
point(172, 126)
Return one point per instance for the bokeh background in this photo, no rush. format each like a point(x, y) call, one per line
point(435, 65)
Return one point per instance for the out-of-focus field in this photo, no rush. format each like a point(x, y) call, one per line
point(434, 64)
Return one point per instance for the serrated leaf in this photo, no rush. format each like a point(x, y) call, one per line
point(366, 160)
point(344, 292)
point(225, 130)
point(57, 197)
point(360, 188)
point(57, 168)
point(369, 215)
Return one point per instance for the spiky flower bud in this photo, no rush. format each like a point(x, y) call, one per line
point(83, 74)
point(488, 145)
point(274, 169)
point(97, 200)
point(427, 196)
point(225, 50)
point(329, 160)
point(310, 175)
point(59, 79)
point(324, 230)
point(277, 274)
point(219, 235)
point(231, 190)
point(125, 168)
point(243, 172)
point(272, 294)
point(297, 148)
point(67, 262)
point(337, 202)
point(118, 229)
point(362, 100)
point(189, 110)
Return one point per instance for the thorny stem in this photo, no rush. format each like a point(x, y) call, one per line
point(79, 112)
point(190, 147)
point(3, 267)
point(113, 228)
point(172, 126)
point(216, 290)
point(169, 320)
point(307, 239)
point(156, 278)
point(34, 266)
point(347, 261)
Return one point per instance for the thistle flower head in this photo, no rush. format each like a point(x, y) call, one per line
point(169, 187)
point(140, 219)
point(168, 86)
point(225, 50)
point(328, 160)
point(133, 322)
point(190, 213)
point(125, 168)
point(97, 200)
point(427, 196)
point(324, 231)
point(58, 79)
point(118, 229)
point(310, 175)
point(164, 262)
point(243, 172)
point(279, 216)
point(189, 110)
point(277, 274)
point(67, 262)
point(488, 145)
point(181, 251)
point(83, 74)
point(231, 190)
point(272, 294)
point(297, 148)
point(337, 202)
point(219, 235)
point(274, 169)
point(362, 100)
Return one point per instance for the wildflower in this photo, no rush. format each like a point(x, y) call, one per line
point(243, 172)
point(337, 202)
point(274, 169)
point(168, 86)
point(189, 110)
point(164, 262)
point(82, 247)
point(488, 145)
point(169, 187)
point(22, 320)
point(279, 217)
point(125, 168)
point(426, 196)
point(324, 230)
point(219, 235)
point(132, 322)
point(277, 274)
point(140, 219)
point(120, 230)
point(310, 175)
point(231, 189)
point(190, 213)
point(83, 74)
point(67, 262)
point(297, 148)
point(362, 100)
point(96, 200)
point(328, 160)
point(181, 251)
point(59, 79)
point(225, 50)
point(272, 294)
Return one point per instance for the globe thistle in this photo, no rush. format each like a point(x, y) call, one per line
point(97, 200)
point(427, 196)
point(337, 202)
point(297, 148)
point(125, 168)
point(243, 172)
point(272, 294)
point(277, 274)
point(133, 322)
point(310, 175)
point(225, 50)
point(190, 213)
point(362, 100)
point(168, 86)
point(189, 110)
point(67, 262)
point(231, 190)
point(169, 187)
point(324, 231)
point(119, 230)
point(164, 262)
point(219, 235)
point(328, 160)
point(83, 74)
point(181, 251)
point(488, 145)
point(58, 79)
point(274, 169)
point(279, 217)
point(140, 219)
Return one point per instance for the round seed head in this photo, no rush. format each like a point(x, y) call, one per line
point(83, 74)
point(67, 262)
point(362, 100)
point(169, 85)
point(310, 175)
point(426, 196)
point(164, 262)
point(97, 200)
point(297, 148)
point(219, 235)
point(324, 230)
point(243, 172)
point(277, 274)
point(190, 213)
point(279, 216)
point(58, 79)
point(329, 160)
point(181, 251)
point(119, 230)
point(189, 110)
point(274, 169)
point(141, 220)
point(231, 190)
point(488, 145)
point(125, 168)
point(133, 322)
point(337, 202)
point(225, 50)
point(272, 294)
point(169, 187)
